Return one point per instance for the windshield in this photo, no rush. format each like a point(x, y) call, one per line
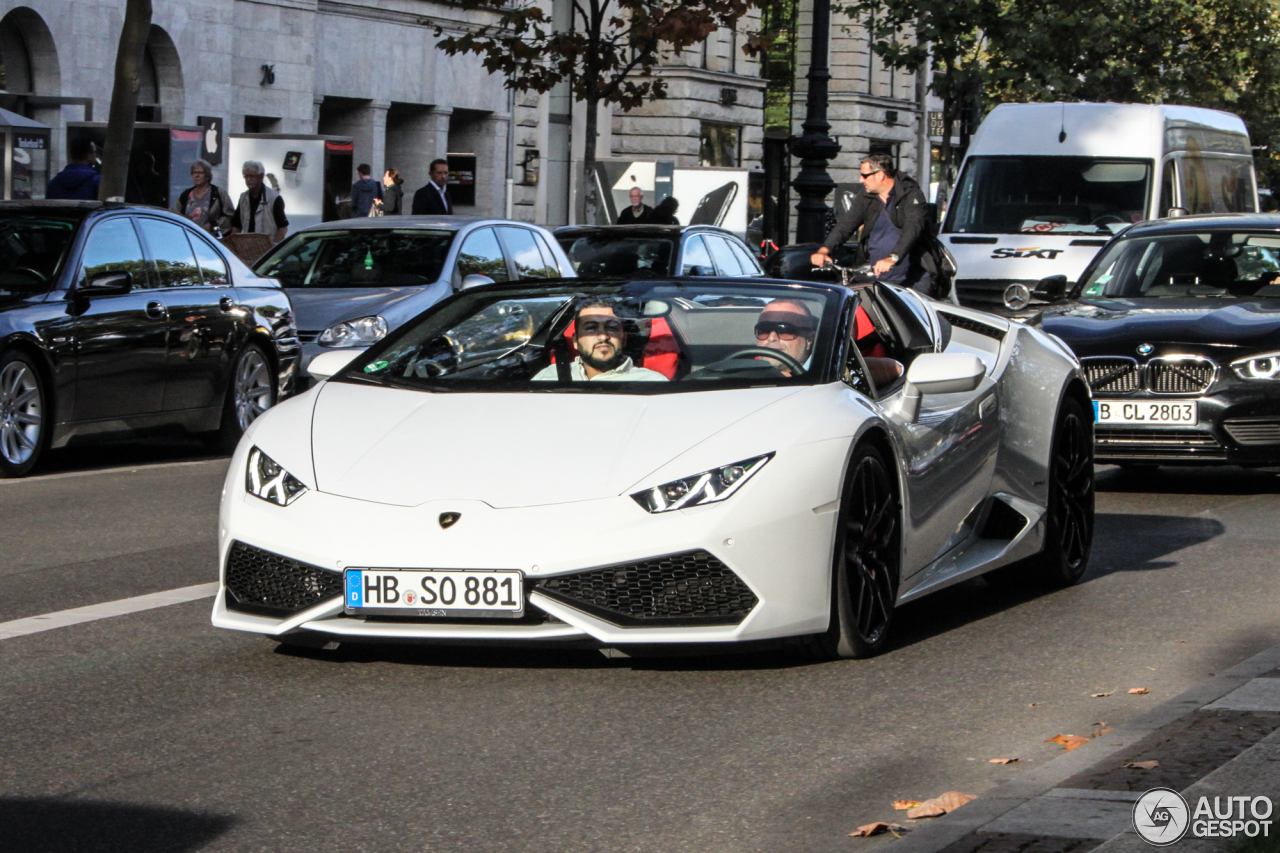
point(1049, 195)
point(634, 338)
point(359, 257)
point(612, 255)
point(32, 249)
point(1211, 264)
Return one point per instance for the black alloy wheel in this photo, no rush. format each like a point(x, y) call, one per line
point(24, 414)
point(1069, 519)
point(868, 559)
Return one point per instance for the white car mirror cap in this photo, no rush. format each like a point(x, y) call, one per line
point(475, 280)
point(946, 373)
point(328, 363)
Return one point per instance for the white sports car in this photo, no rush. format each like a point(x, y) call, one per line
point(658, 462)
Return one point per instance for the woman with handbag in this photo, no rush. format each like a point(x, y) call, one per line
point(392, 193)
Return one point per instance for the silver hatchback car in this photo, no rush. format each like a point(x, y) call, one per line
point(353, 281)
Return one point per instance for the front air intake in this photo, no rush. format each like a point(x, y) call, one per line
point(268, 584)
point(693, 588)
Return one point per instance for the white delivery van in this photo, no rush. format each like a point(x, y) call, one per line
point(1044, 186)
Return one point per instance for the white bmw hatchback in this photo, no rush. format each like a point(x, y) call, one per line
point(658, 462)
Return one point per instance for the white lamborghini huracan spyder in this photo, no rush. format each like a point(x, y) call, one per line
point(658, 462)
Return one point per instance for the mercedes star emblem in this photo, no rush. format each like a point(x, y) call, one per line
point(449, 519)
point(1145, 349)
point(1017, 296)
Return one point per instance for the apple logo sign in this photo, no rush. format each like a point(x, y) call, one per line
point(211, 139)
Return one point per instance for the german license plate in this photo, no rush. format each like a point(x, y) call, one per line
point(480, 594)
point(1144, 412)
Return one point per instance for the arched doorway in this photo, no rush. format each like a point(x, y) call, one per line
point(28, 57)
point(161, 94)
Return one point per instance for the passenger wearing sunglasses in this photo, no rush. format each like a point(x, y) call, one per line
point(601, 338)
point(895, 221)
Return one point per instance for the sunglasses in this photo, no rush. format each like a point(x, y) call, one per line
point(862, 176)
point(784, 331)
point(612, 328)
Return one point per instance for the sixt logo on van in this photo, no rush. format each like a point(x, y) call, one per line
point(1032, 252)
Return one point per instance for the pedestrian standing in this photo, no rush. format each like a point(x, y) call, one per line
point(665, 212)
point(80, 179)
point(205, 203)
point(392, 193)
point(260, 209)
point(638, 213)
point(434, 197)
point(364, 192)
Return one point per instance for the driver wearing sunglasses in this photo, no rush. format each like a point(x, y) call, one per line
point(786, 325)
point(601, 338)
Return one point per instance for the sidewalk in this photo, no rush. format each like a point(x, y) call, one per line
point(1220, 738)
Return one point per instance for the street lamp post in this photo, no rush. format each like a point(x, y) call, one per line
point(814, 146)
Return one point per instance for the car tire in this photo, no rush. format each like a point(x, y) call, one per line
point(867, 560)
point(251, 390)
point(1068, 518)
point(24, 414)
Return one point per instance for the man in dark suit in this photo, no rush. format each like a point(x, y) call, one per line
point(433, 199)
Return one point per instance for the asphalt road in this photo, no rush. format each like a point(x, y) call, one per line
point(154, 732)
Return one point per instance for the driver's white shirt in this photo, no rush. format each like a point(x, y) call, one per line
point(624, 372)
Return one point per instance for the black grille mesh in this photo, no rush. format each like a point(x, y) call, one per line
point(1181, 376)
point(261, 581)
point(1253, 430)
point(1111, 375)
point(693, 588)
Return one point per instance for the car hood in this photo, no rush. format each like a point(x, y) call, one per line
point(1109, 326)
point(405, 448)
point(316, 309)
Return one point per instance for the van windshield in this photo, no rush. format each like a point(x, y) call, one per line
point(1049, 195)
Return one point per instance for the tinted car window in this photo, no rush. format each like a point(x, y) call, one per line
point(695, 254)
point(31, 252)
point(726, 260)
point(609, 254)
point(212, 266)
point(481, 255)
point(113, 247)
point(749, 265)
point(175, 262)
point(1221, 264)
point(548, 257)
point(524, 253)
point(359, 257)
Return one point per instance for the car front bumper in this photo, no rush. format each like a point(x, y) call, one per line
point(775, 537)
point(1239, 425)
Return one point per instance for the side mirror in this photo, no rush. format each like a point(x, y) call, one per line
point(1177, 211)
point(938, 373)
point(328, 363)
point(1051, 288)
point(475, 280)
point(109, 283)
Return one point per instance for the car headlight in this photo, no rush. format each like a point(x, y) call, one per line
point(1265, 366)
point(354, 333)
point(707, 487)
point(267, 480)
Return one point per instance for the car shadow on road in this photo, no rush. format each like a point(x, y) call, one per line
point(38, 824)
point(129, 453)
point(1187, 480)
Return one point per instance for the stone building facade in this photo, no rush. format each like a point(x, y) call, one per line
point(370, 70)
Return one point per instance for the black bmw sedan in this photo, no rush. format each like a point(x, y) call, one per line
point(1177, 323)
point(118, 319)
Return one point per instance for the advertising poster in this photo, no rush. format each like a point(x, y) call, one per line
point(295, 169)
point(712, 197)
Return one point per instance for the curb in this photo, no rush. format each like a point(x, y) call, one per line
point(972, 816)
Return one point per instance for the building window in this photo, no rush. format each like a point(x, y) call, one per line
point(778, 64)
point(719, 145)
point(890, 149)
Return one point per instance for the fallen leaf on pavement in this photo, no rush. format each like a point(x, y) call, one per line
point(903, 805)
point(876, 828)
point(1101, 732)
point(1144, 765)
point(1002, 760)
point(1099, 724)
point(1032, 704)
point(940, 805)
point(1069, 741)
point(1181, 641)
point(1101, 695)
point(1138, 691)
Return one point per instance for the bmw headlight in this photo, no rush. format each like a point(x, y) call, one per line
point(1265, 366)
point(707, 487)
point(267, 480)
point(354, 333)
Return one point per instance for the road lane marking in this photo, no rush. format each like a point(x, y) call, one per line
point(94, 612)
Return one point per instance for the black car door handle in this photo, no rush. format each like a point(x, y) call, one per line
point(226, 303)
point(155, 310)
